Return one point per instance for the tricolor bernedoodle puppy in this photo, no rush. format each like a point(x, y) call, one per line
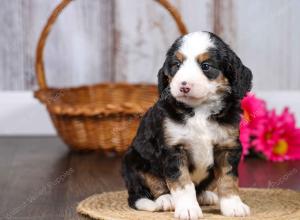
point(187, 149)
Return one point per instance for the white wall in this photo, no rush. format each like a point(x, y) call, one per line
point(103, 40)
point(22, 114)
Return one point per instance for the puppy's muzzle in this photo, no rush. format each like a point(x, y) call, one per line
point(185, 87)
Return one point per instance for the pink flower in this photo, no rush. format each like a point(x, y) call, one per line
point(278, 138)
point(254, 110)
point(254, 114)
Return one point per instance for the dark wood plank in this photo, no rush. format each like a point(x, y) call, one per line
point(41, 179)
point(32, 190)
point(264, 174)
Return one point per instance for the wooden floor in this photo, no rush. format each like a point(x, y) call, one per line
point(41, 179)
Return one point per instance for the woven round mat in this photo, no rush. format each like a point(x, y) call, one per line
point(272, 204)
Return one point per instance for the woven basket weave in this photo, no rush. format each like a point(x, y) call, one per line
point(102, 116)
point(272, 204)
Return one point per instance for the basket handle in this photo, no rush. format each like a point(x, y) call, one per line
point(39, 62)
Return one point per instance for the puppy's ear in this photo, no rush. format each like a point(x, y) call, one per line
point(244, 81)
point(242, 77)
point(162, 80)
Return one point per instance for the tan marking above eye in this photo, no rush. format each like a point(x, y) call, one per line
point(180, 56)
point(202, 57)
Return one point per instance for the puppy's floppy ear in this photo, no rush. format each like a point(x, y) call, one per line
point(244, 81)
point(163, 81)
point(242, 76)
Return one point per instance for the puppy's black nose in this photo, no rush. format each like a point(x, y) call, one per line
point(185, 89)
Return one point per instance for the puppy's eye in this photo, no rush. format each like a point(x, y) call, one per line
point(176, 64)
point(205, 66)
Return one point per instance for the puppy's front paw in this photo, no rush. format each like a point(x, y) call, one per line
point(208, 198)
point(234, 207)
point(165, 202)
point(188, 210)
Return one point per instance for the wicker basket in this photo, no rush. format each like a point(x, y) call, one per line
point(102, 116)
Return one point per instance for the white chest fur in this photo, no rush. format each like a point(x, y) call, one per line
point(198, 136)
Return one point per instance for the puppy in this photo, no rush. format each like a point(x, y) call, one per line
point(187, 144)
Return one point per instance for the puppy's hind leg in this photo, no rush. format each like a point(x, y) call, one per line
point(164, 202)
point(159, 189)
point(227, 161)
point(139, 195)
point(205, 194)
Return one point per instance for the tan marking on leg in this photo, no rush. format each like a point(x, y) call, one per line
point(213, 185)
point(184, 193)
point(226, 184)
point(156, 185)
point(184, 177)
point(183, 180)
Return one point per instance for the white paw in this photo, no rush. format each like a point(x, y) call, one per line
point(165, 202)
point(188, 210)
point(146, 204)
point(234, 207)
point(208, 198)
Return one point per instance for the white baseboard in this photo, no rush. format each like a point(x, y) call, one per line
point(21, 114)
point(278, 100)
